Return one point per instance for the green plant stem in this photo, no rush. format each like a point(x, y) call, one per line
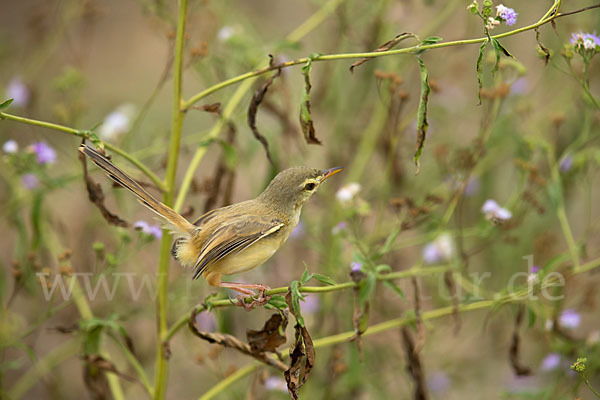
point(589, 385)
point(414, 271)
point(86, 135)
point(139, 369)
point(392, 324)
point(161, 370)
point(407, 50)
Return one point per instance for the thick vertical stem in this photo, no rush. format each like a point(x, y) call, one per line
point(160, 377)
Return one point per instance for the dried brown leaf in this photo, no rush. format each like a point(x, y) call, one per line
point(256, 100)
point(414, 365)
point(514, 350)
point(384, 47)
point(270, 337)
point(234, 343)
point(214, 108)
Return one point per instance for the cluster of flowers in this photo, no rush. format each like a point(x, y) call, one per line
point(503, 14)
point(585, 41)
point(44, 155)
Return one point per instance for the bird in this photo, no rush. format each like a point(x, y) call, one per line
point(235, 238)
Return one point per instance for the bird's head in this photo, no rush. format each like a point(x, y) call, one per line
point(292, 187)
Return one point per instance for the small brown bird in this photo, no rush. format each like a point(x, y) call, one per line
point(236, 238)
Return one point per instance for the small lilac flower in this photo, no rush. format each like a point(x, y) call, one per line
point(472, 187)
point(566, 163)
point(310, 305)
point(298, 231)
point(44, 153)
point(586, 41)
point(30, 181)
point(339, 228)
point(535, 269)
point(569, 319)
point(117, 122)
point(440, 250)
point(550, 362)
point(438, 382)
point(152, 230)
point(508, 15)
point(10, 147)
point(274, 383)
point(493, 211)
point(347, 192)
point(355, 266)
point(19, 92)
point(225, 33)
point(520, 86)
point(206, 322)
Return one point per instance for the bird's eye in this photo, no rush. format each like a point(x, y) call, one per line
point(309, 186)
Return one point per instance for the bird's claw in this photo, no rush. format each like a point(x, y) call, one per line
point(260, 300)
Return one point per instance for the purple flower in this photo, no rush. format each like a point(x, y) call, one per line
point(339, 228)
point(355, 266)
point(587, 41)
point(472, 187)
point(152, 230)
point(206, 322)
point(535, 269)
point(10, 147)
point(520, 86)
point(310, 305)
point(30, 181)
point(44, 153)
point(508, 15)
point(566, 163)
point(274, 383)
point(569, 319)
point(117, 122)
point(19, 92)
point(438, 382)
point(298, 231)
point(550, 362)
point(492, 210)
point(441, 249)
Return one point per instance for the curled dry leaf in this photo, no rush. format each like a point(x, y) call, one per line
point(514, 350)
point(214, 108)
point(384, 47)
point(96, 196)
point(414, 365)
point(271, 336)
point(302, 349)
point(256, 100)
point(232, 342)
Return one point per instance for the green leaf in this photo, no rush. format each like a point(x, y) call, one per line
point(430, 40)
point(5, 104)
point(531, 316)
point(422, 124)
point(383, 268)
point(277, 301)
point(306, 121)
point(480, 70)
point(365, 288)
point(395, 288)
point(389, 241)
point(324, 279)
point(296, 297)
point(306, 276)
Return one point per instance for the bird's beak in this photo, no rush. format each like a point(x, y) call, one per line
point(330, 172)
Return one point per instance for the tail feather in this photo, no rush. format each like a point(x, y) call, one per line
point(117, 175)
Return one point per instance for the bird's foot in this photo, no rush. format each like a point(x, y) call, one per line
point(249, 299)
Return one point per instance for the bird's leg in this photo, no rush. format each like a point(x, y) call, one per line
point(247, 289)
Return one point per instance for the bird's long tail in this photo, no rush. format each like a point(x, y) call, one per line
point(171, 216)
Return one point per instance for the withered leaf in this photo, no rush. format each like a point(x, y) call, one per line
point(270, 337)
point(422, 124)
point(233, 343)
point(514, 350)
point(542, 48)
point(302, 349)
point(306, 121)
point(256, 100)
point(421, 332)
point(390, 44)
point(214, 108)
point(96, 196)
point(414, 365)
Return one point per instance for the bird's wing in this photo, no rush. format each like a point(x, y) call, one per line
point(233, 237)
